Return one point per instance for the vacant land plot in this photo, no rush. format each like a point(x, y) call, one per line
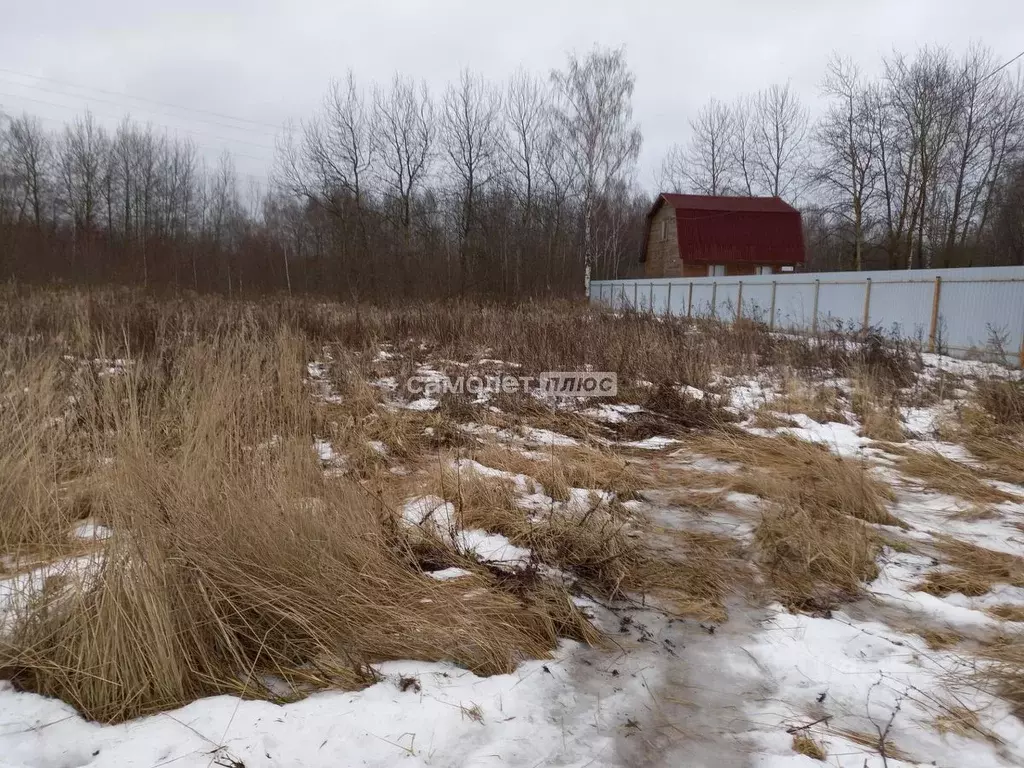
point(232, 534)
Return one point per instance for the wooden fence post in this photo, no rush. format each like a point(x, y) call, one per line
point(668, 301)
point(934, 329)
point(636, 299)
point(771, 320)
point(714, 298)
point(652, 298)
point(817, 290)
point(867, 303)
point(689, 302)
point(739, 303)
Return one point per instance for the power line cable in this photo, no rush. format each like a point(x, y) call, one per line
point(133, 107)
point(999, 69)
point(141, 98)
point(200, 134)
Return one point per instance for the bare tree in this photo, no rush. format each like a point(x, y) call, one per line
point(472, 136)
point(706, 165)
point(594, 119)
point(405, 127)
point(740, 146)
point(848, 158)
point(778, 135)
point(31, 158)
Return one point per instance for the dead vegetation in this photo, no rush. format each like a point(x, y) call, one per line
point(951, 477)
point(805, 745)
point(597, 542)
point(973, 570)
point(785, 469)
point(1004, 673)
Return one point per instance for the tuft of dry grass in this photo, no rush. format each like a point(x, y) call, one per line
point(951, 477)
point(940, 639)
point(1007, 612)
point(784, 468)
point(766, 418)
point(1005, 672)
point(600, 544)
point(232, 555)
point(875, 744)
point(820, 403)
point(805, 745)
point(974, 570)
point(814, 558)
point(877, 409)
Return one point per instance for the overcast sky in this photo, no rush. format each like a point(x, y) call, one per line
point(266, 61)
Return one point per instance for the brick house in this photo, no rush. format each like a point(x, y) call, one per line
point(701, 236)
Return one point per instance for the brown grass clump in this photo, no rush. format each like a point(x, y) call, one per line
point(1007, 612)
point(1005, 671)
point(233, 557)
point(599, 544)
point(876, 405)
point(805, 745)
point(940, 639)
point(975, 570)
point(784, 468)
point(873, 742)
point(1003, 401)
point(767, 418)
point(951, 477)
point(815, 558)
point(820, 403)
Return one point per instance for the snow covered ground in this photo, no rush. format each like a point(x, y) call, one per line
point(861, 682)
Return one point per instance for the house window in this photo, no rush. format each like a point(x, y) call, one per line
point(764, 270)
point(716, 270)
point(664, 229)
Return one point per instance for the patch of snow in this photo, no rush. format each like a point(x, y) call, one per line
point(492, 547)
point(422, 404)
point(90, 530)
point(655, 443)
point(611, 413)
point(448, 574)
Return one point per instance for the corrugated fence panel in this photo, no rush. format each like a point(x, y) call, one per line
point(841, 306)
point(902, 308)
point(757, 301)
point(794, 304)
point(975, 311)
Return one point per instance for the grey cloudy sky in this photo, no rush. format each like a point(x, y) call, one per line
point(268, 60)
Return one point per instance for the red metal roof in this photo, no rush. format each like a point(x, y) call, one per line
point(712, 203)
point(723, 230)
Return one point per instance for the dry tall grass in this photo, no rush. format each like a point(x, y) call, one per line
point(785, 468)
point(232, 556)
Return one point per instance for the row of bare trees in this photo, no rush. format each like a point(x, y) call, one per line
point(522, 187)
point(914, 169)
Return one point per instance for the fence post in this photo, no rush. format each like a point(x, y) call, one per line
point(689, 302)
point(771, 320)
point(934, 329)
point(636, 300)
point(668, 301)
point(714, 299)
point(739, 303)
point(817, 290)
point(867, 303)
point(652, 298)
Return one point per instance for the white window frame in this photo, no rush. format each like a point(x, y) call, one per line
point(716, 270)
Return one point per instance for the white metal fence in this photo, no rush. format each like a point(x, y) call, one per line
point(964, 312)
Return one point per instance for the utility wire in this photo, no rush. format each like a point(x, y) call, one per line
point(133, 107)
point(141, 98)
point(999, 69)
point(200, 134)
